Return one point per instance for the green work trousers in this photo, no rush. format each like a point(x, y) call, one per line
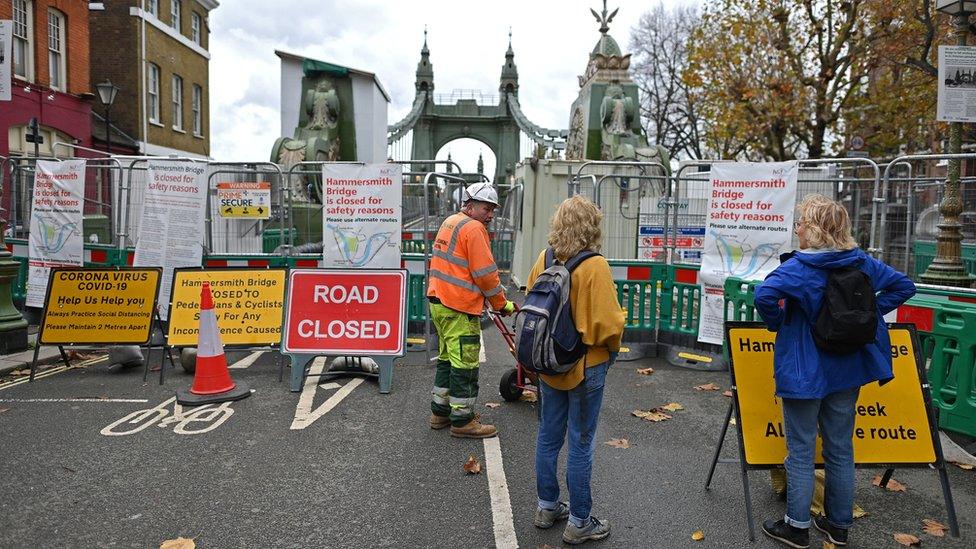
point(456, 380)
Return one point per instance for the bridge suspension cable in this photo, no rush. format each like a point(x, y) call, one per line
point(543, 136)
point(398, 130)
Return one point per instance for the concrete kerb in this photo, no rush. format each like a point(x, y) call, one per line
point(18, 361)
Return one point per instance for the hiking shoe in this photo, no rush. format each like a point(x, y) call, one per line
point(592, 529)
point(545, 518)
point(784, 533)
point(439, 422)
point(474, 429)
point(835, 535)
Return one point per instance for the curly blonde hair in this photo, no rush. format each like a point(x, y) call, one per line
point(827, 223)
point(575, 227)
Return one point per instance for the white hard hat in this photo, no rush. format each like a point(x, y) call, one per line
point(482, 192)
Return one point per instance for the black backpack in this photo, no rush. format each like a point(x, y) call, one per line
point(848, 318)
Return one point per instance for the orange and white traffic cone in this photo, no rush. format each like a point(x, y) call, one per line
point(211, 380)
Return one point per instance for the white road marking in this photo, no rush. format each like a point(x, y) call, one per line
point(248, 360)
point(304, 415)
point(329, 385)
point(501, 505)
point(482, 357)
point(208, 417)
point(51, 372)
point(136, 400)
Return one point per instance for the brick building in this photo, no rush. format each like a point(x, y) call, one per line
point(50, 79)
point(155, 52)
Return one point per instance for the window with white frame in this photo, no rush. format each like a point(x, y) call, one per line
point(152, 93)
point(197, 110)
point(195, 28)
point(23, 47)
point(152, 6)
point(56, 49)
point(175, 14)
point(177, 102)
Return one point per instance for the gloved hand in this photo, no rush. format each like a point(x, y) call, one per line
point(613, 357)
point(508, 309)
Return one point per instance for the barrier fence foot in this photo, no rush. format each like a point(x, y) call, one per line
point(298, 365)
point(386, 373)
point(718, 447)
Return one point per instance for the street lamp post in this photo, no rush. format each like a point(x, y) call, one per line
point(13, 327)
point(106, 93)
point(947, 269)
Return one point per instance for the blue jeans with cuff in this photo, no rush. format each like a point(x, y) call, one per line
point(577, 411)
point(834, 414)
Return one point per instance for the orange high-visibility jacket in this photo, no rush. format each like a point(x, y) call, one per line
point(462, 270)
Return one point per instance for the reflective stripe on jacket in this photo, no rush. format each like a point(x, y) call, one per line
point(462, 270)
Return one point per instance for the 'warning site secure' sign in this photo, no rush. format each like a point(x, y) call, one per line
point(346, 312)
point(892, 422)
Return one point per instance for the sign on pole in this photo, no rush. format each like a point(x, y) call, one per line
point(362, 215)
point(244, 200)
point(749, 223)
point(248, 304)
point(343, 312)
point(99, 306)
point(957, 84)
point(55, 238)
point(172, 224)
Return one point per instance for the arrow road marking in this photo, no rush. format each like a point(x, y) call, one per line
point(304, 415)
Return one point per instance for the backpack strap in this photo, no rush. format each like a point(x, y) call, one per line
point(550, 258)
point(579, 258)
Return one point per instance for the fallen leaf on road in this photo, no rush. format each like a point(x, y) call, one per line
point(707, 387)
point(965, 466)
point(698, 535)
point(22, 372)
point(907, 539)
point(727, 394)
point(828, 545)
point(732, 421)
point(68, 469)
point(178, 543)
point(934, 528)
point(670, 407)
point(893, 485)
point(2, 410)
point(472, 466)
point(492, 405)
point(547, 546)
point(529, 396)
point(859, 512)
point(645, 371)
point(651, 415)
point(618, 443)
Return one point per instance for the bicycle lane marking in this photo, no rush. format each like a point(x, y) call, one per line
point(501, 504)
point(304, 415)
point(184, 422)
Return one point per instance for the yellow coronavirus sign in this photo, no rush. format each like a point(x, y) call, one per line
point(892, 424)
point(248, 304)
point(99, 306)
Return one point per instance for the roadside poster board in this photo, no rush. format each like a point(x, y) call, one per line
point(244, 200)
point(171, 229)
point(99, 306)
point(957, 84)
point(893, 424)
point(55, 238)
point(749, 224)
point(346, 312)
point(362, 215)
point(248, 304)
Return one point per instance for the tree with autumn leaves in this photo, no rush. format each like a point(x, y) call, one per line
point(782, 79)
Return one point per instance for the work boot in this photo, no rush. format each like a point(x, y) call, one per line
point(439, 422)
point(545, 518)
point(592, 529)
point(784, 533)
point(835, 535)
point(474, 429)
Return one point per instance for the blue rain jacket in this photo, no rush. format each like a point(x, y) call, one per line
point(801, 369)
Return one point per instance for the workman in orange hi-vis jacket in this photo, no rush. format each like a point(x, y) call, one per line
point(463, 274)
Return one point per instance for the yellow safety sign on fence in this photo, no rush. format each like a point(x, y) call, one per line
point(892, 424)
point(99, 306)
point(247, 199)
point(248, 304)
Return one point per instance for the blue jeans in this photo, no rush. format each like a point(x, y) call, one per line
point(579, 408)
point(835, 416)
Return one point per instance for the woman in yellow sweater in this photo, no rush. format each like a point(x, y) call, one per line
point(573, 399)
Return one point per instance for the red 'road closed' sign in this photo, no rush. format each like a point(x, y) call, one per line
point(335, 312)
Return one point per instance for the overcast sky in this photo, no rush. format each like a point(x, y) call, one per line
point(467, 41)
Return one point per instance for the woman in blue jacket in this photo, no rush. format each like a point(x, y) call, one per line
point(818, 387)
